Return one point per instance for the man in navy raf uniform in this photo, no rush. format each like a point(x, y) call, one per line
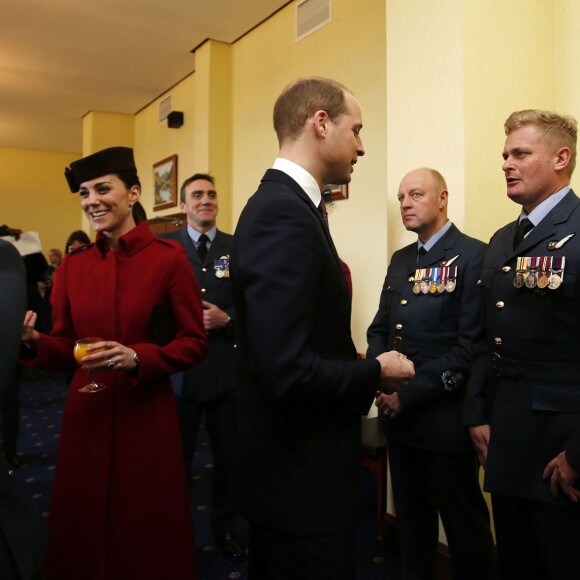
point(430, 310)
point(209, 387)
point(523, 405)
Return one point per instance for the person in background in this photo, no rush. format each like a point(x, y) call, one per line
point(523, 404)
point(430, 310)
point(22, 527)
point(302, 390)
point(208, 389)
point(77, 239)
point(119, 506)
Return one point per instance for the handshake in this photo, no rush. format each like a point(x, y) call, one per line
point(396, 370)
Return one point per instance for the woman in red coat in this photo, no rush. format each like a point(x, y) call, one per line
point(119, 505)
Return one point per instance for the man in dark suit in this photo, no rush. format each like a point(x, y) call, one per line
point(523, 407)
point(22, 528)
point(209, 387)
point(430, 310)
point(302, 391)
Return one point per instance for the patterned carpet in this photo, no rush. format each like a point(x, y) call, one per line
point(42, 398)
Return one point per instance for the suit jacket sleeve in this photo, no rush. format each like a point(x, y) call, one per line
point(297, 306)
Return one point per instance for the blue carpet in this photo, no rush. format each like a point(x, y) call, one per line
point(42, 398)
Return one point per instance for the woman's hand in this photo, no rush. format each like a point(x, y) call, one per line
point(108, 355)
point(30, 337)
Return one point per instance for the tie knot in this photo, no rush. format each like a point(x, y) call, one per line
point(422, 251)
point(524, 227)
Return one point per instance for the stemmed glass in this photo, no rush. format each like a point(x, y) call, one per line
point(80, 351)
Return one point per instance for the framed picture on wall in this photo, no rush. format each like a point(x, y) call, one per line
point(165, 183)
point(333, 192)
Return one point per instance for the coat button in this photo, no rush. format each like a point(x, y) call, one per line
point(499, 304)
point(497, 340)
point(398, 326)
point(478, 282)
point(203, 290)
point(204, 270)
point(506, 269)
point(403, 302)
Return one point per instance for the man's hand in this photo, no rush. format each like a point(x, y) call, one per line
point(480, 439)
point(389, 405)
point(214, 318)
point(562, 476)
point(396, 370)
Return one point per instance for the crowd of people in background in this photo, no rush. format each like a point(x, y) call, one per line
point(471, 360)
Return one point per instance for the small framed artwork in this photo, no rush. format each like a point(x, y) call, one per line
point(165, 183)
point(334, 192)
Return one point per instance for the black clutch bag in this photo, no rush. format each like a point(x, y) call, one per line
point(163, 327)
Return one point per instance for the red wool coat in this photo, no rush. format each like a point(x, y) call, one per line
point(119, 506)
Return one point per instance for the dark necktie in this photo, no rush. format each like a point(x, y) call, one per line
point(202, 247)
point(524, 227)
point(324, 212)
point(421, 252)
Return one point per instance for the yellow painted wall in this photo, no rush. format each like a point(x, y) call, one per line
point(567, 32)
point(34, 195)
point(155, 141)
point(425, 105)
point(202, 144)
point(351, 50)
point(510, 64)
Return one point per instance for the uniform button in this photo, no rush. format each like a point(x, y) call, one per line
point(411, 278)
point(398, 326)
point(479, 282)
point(203, 290)
point(506, 269)
point(389, 287)
point(11, 473)
point(403, 302)
point(497, 340)
point(204, 270)
point(499, 304)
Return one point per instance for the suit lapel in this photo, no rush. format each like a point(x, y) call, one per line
point(440, 251)
point(277, 175)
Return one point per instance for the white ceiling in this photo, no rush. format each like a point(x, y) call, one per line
point(60, 59)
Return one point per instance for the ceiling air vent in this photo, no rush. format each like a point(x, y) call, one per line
point(165, 107)
point(312, 15)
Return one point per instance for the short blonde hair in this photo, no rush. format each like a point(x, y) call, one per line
point(559, 130)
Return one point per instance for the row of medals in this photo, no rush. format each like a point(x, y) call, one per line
point(542, 271)
point(222, 267)
point(434, 280)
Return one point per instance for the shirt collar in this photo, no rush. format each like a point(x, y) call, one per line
point(435, 238)
point(194, 234)
point(301, 177)
point(544, 208)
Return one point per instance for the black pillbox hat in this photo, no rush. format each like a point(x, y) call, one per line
point(111, 160)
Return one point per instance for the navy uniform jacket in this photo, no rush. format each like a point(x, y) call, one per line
point(526, 377)
point(215, 377)
point(302, 391)
point(437, 331)
point(22, 528)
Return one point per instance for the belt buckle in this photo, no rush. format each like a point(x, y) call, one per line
point(496, 363)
